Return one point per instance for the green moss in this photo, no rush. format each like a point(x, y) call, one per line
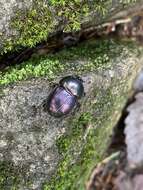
point(12, 176)
point(93, 55)
point(9, 178)
point(84, 143)
point(32, 25)
point(82, 153)
point(35, 24)
point(74, 11)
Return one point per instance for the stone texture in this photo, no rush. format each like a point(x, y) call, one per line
point(133, 131)
point(28, 134)
point(7, 11)
point(9, 8)
point(134, 124)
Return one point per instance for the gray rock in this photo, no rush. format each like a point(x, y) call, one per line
point(138, 84)
point(8, 10)
point(134, 131)
point(134, 125)
point(29, 135)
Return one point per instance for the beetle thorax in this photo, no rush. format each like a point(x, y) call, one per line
point(72, 87)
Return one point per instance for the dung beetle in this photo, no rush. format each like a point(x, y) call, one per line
point(64, 97)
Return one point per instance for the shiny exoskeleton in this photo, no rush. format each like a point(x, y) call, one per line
point(64, 97)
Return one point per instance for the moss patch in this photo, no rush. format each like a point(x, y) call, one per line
point(88, 131)
point(82, 152)
point(84, 144)
point(9, 178)
point(86, 57)
point(35, 24)
point(32, 25)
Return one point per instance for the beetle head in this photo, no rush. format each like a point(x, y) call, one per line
point(74, 85)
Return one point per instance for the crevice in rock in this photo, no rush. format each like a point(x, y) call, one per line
point(118, 138)
point(123, 28)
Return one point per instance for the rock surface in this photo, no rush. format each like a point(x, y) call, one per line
point(133, 131)
point(28, 134)
point(7, 12)
point(133, 125)
point(122, 169)
point(9, 33)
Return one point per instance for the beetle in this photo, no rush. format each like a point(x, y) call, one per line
point(64, 97)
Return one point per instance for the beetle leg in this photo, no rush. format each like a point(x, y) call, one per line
point(54, 85)
point(77, 108)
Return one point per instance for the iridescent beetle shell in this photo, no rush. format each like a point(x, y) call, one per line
point(64, 97)
point(74, 85)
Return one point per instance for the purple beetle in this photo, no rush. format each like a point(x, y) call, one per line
point(65, 95)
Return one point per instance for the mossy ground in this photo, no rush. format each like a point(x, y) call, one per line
point(92, 55)
point(35, 24)
point(9, 178)
point(80, 152)
point(84, 144)
point(44, 17)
